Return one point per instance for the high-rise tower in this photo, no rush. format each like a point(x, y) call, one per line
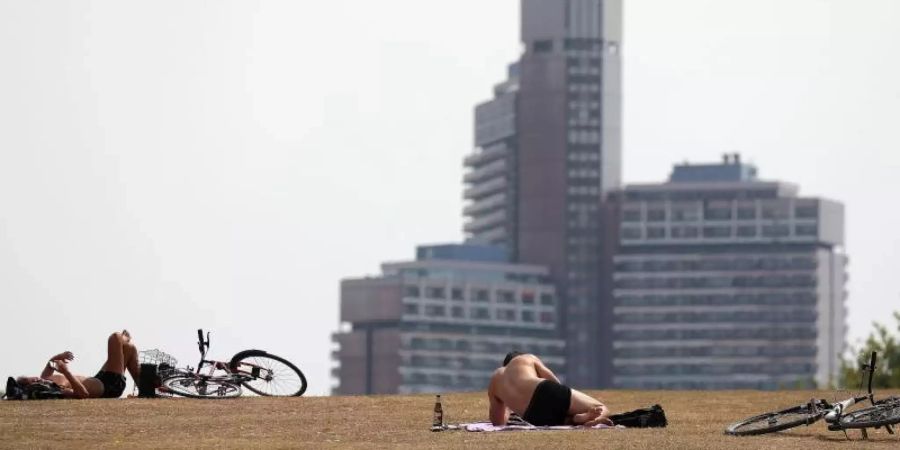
point(548, 149)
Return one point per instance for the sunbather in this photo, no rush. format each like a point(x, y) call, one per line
point(109, 382)
point(526, 386)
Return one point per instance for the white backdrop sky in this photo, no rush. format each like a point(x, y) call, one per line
point(171, 165)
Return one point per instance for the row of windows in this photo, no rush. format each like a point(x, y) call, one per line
point(735, 334)
point(479, 313)
point(582, 156)
point(743, 263)
point(584, 137)
point(718, 317)
point(482, 346)
point(693, 212)
point(715, 351)
point(773, 368)
point(763, 299)
point(479, 295)
point(716, 282)
point(637, 383)
point(720, 231)
point(459, 382)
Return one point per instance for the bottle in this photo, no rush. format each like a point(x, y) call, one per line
point(437, 424)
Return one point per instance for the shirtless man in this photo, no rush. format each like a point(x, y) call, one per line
point(527, 387)
point(109, 381)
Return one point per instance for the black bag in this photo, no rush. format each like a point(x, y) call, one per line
point(40, 390)
point(651, 417)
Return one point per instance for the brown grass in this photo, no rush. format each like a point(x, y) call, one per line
point(697, 420)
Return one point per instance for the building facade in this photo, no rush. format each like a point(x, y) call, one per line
point(547, 151)
point(723, 281)
point(443, 322)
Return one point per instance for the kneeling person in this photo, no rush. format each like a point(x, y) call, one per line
point(527, 387)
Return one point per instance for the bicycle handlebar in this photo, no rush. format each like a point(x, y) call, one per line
point(872, 371)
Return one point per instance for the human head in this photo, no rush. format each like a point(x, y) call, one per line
point(25, 381)
point(510, 356)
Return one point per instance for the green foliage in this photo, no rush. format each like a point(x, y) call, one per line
point(883, 341)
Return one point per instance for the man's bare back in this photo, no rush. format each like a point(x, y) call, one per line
point(529, 388)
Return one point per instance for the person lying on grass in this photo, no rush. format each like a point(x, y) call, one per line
point(109, 381)
point(527, 387)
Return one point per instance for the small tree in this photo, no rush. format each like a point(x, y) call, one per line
point(883, 341)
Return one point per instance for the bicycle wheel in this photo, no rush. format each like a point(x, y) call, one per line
point(268, 374)
point(197, 387)
point(777, 421)
point(884, 413)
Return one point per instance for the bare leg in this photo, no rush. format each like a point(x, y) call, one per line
point(121, 354)
point(587, 410)
point(583, 418)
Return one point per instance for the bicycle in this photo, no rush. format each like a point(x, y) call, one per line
point(883, 413)
point(259, 371)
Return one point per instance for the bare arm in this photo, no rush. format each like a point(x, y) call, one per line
point(498, 412)
point(48, 369)
point(78, 389)
point(543, 371)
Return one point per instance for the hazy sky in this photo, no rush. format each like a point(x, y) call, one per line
point(171, 165)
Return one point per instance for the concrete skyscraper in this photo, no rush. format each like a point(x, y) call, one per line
point(547, 151)
point(724, 281)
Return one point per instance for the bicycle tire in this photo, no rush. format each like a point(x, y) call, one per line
point(883, 413)
point(197, 387)
point(244, 362)
point(777, 421)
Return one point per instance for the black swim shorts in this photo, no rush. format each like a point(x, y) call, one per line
point(113, 383)
point(549, 404)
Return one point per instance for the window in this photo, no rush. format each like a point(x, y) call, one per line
point(434, 292)
point(776, 230)
point(506, 296)
point(508, 315)
point(656, 215)
point(528, 316)
point(717, 232)
point(631, 215)
point(411, 291)
point(746, 212)
point(685, 214)
point(435, 311)
point(480, 313)
point(806, 230)
point(685, 232)
point(457, 294)
point(547, 317)
point(547, 299)
point(458, 311)
point(482, 295)
point(528, 297)
point(545, 46)
point(656, 233)
point(806, 211)
point(411, 308)
point(631, 233)
point(746, 231)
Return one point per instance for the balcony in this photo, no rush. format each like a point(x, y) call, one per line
point(486, 205)
point(486, 172)
point(486, 189)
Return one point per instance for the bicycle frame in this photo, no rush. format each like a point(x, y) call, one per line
point(237, 377)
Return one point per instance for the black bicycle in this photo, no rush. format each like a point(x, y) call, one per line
point(259, 371)
point(883, 413)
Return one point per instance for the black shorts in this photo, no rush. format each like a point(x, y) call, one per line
point(113, 383)
point(549, 404)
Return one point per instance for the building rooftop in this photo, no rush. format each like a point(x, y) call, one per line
point(731, 169)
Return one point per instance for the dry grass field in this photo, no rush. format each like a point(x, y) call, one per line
point(696, 421)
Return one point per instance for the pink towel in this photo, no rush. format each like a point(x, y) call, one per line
point(487, 426)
